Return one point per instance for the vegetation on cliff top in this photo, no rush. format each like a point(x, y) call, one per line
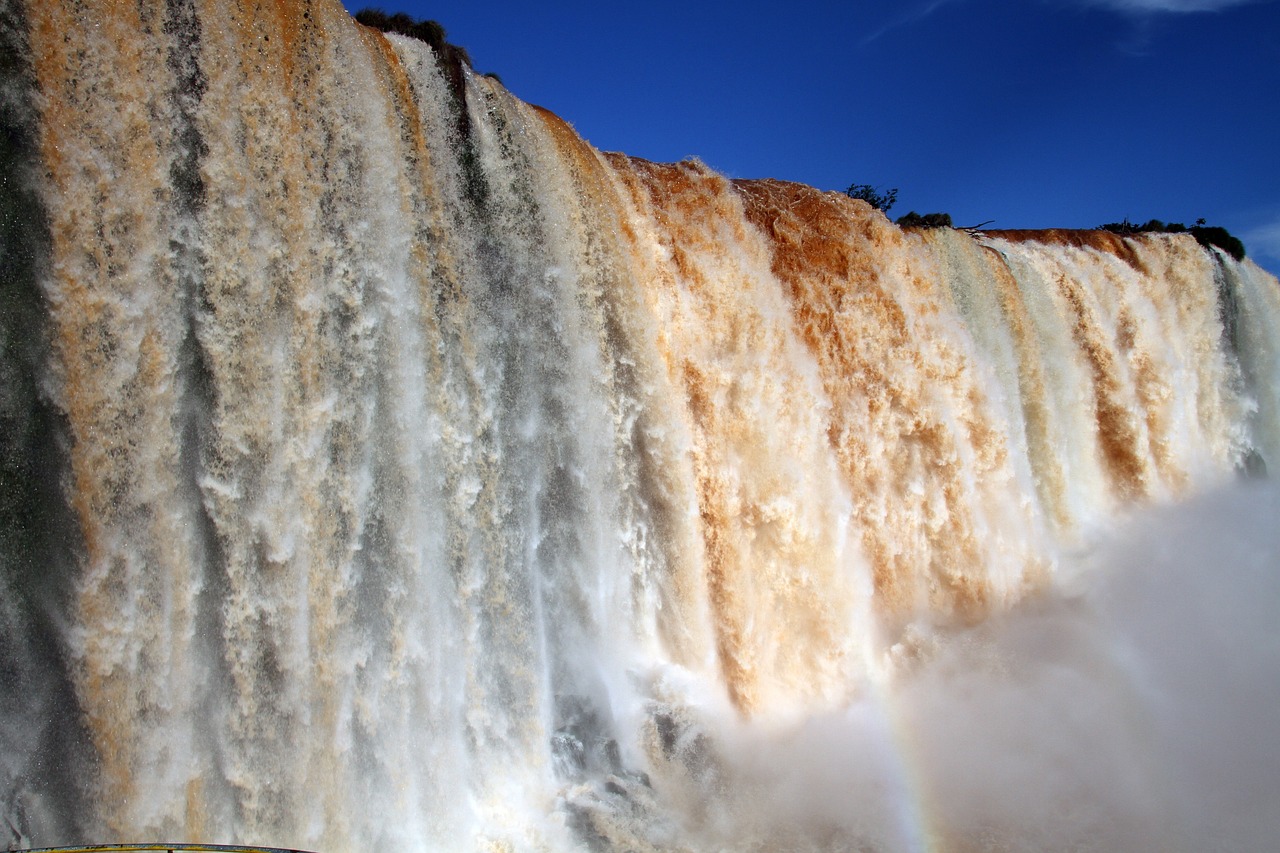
point(431, 32)
point(452, 60)
point(925, 220)
point(881, 201)
point(1206, 235)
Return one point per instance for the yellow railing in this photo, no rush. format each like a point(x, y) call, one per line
point(161, 848)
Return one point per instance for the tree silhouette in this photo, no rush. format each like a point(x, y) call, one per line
point(881, 201)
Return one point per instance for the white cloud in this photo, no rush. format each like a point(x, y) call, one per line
point(1264, 240)
point(911, 16)
point(913, 13)
point(1176, 6)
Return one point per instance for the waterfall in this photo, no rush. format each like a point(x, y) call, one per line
point(387, 468)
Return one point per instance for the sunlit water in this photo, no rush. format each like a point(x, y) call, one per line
point(386, 468)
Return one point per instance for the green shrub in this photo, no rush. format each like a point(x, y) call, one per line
point(881, 201)
point(431, 32)
point(1211, 235)
point(1206, 235)
point(925, 220)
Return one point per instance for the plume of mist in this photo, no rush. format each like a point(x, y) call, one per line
point(1135, 706)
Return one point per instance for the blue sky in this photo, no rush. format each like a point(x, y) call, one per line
point(1031, 113)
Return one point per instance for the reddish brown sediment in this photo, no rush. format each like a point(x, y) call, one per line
point(1117, 431)
point(400, 441)
point(1033, 394)
point(112, 376)
point(1122, 301)
point(1103, 241)
point(864, 311)
point(676, 199)
point(767, 562)
point(656, 464)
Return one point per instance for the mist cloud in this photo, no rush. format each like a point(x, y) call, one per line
point(1136, 708)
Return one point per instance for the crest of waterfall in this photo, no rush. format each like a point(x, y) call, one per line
point(386, 468)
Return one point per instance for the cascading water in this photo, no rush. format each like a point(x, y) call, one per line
point(386, 468)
